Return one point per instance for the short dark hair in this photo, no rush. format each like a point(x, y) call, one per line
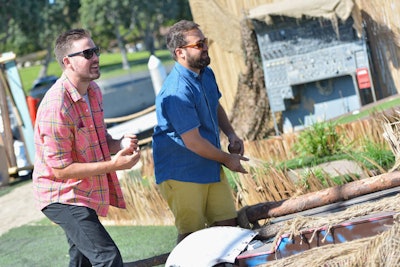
point(65, 40)
point(176, 35)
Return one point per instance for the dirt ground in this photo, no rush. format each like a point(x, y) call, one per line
point(18, 208)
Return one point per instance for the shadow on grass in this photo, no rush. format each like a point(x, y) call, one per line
point(14, 183)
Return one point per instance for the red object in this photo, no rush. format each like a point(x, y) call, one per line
point(363, 78)
point(32, 107)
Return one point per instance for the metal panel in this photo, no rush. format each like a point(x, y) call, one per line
point(297, 52)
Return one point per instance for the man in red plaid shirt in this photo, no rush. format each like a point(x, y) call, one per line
point(74, 175)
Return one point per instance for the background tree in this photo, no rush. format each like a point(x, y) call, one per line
point(156, 14)
point(31, 26)
point(108, 19)
point(128, 21)
point(51, 25)
point(15, 17)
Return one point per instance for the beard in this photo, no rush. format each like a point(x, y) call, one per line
point(199, 63)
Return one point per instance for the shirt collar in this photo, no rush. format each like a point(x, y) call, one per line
point(71, 89)
point(187, 72)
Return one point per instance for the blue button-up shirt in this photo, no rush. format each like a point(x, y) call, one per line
point(187, 100)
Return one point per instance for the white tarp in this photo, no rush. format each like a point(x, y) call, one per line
point(210, 246)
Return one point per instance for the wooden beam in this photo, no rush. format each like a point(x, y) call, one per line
point(8, 140)
point(17, 95)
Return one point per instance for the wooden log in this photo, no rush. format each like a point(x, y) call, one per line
point(323, 197)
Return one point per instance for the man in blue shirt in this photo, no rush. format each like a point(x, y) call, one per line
point(186, 143)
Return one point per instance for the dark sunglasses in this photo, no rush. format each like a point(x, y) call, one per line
point(198, 45)
point(88, 53)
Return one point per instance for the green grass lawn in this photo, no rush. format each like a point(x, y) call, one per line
point(44, 244)
point(387, 104)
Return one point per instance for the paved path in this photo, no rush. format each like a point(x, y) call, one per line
point(17, 208)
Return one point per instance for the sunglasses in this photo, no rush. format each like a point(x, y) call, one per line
point(88, 53)
point(198, 45)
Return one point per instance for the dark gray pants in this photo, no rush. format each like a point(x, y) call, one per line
point(89, 242)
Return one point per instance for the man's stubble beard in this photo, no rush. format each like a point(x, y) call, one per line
point(199, 63)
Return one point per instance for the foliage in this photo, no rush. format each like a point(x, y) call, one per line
point(30, 26)
point(344, 179)
point(307, 161)
point(374, 156)
point(156, 14)
point(107, 18)
point(315, 173)
point(129, 21)
point(310, 175)
point(320, 140)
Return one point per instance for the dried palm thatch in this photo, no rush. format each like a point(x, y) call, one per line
point(380, 250)
point(372, 251)
point(391, 128)
point(144, 203)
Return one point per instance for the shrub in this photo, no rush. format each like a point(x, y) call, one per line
point(319, 140)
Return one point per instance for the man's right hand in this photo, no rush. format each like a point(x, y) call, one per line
point(126, 158)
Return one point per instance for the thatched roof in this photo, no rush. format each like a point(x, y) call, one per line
point(329, 9)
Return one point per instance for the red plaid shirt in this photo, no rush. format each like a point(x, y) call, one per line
point(66, 132)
